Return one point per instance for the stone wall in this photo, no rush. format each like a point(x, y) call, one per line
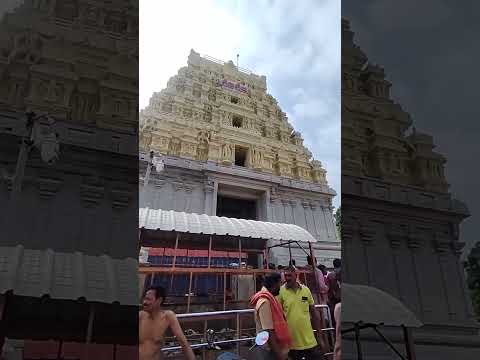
point(191, 186)
point(77, 62)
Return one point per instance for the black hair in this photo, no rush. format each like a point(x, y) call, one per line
point(337, 263)
point(160, 292)
point(322, 267)
point(292, 268)
point(271, 279)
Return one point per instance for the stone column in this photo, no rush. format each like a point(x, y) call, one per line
point(308, 216)
point(268, 206)
point(316, 225)
point(92, 192)
point(347, 239)
point(42, 223)
point(285, 206)
point(442, 249)
point(272, 205)
point(210, 193)
point(367, 235)
point(395, 242)
point(213, 210)
point(413, 244)
point(293, 205)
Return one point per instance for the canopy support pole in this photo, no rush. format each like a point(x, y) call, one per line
point(409, 345)
point(224, 291)
point(209, 251)
point(357, 341)
point(290, 253)
point(388, 342)
point(189, 291)
point(3, 325)
point(91, 318)
point(177, 238)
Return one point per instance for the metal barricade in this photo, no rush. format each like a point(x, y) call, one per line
point(209, 343)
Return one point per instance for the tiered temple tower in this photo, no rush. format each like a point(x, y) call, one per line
point(77, 62)
point(224, 140)
point(400, 225)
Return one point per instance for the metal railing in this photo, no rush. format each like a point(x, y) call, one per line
point(221, 62)
point(211, 344)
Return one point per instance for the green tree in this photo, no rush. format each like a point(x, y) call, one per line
point(472, 268)
point(338, 220)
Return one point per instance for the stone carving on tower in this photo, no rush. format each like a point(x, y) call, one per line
point(380, 145)
point(210, 95)
point(51, 66)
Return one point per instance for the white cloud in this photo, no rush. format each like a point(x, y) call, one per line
point(296, 45)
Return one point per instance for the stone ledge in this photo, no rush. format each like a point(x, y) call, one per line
point(242, 172)
point(401, 194)
point(77, 135)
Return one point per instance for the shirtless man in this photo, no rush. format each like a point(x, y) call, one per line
point(153, 324)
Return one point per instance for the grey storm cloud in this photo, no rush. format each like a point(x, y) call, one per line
point(430, 54)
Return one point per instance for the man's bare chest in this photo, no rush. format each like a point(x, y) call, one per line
point(152, 330)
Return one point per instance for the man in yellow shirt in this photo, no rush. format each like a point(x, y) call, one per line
point(299, 309)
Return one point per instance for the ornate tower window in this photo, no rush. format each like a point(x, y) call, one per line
point(240, 155)
point(237, 121)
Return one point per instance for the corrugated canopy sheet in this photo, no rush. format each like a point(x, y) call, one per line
point(371, 305)
point(68, 275)
point(157, 219)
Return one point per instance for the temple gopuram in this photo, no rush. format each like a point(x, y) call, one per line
point(68, 139)
point(400, 223)
point(222, 146)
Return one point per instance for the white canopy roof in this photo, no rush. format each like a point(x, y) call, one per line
point(367, 304)
point(68, 276)
point(157, 219)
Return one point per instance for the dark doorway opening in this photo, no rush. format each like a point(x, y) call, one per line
point(240, 156)
point(236, 208)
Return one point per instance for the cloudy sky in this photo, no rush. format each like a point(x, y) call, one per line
point(296, 45)
point(430, 53)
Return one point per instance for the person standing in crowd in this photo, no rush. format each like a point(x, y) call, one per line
point(154, 323)
point(281, 268)
point(298, 305)
point(337, 352)
point(269, 317)
point(318, 278)
point(334, 279)
point(318, 287)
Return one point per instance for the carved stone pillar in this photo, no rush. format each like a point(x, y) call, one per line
point(285, 206)
point(209, 188)
point(367, 237)
point(413, 243)
point(48, 187)
point(92, 192)
point(395, 239)
point(268, 207)
point(273, 205)
point(293, 205)
point(309, 224)
point(121, 198)
point(316, 225)
point(443, 249)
